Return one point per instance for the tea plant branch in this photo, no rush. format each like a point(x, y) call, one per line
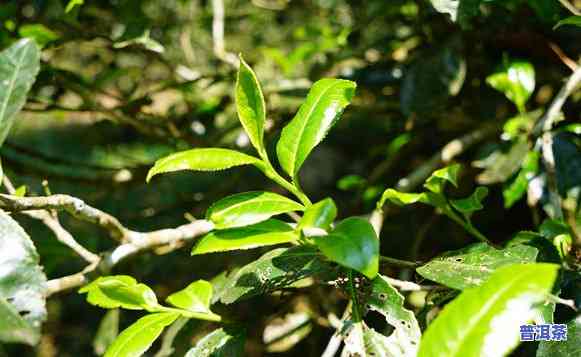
point(141, 242)
point(75, 206)
point(218, 34)
point(543, 128)
point(566, 4)
point(50, 219)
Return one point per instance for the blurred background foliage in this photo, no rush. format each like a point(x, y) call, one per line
point(125, 82)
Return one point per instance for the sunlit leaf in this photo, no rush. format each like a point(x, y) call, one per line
point(438, 179)
point(250, 105)
point(211, 159)
point(401, 198)
point(195, 297)
point(518, 187)
point(247, 208)
point(262, 234)
point(224, 342)
point(319, 215)
point(324, 104)
point(471, 266)
point(485, 320)
point(115, 291)
point(19, 65)
point(22, 285)
point(516, 79)
point(39, 33)
point(571, 20)
point(353, 244)
point(138, 338)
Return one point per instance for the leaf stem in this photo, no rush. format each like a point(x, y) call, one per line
point(272, 174)
point(399, 262)
point(355, 305)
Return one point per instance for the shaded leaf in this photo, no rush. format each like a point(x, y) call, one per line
point(503, 165)
point(275, 270)
point(283, 333)
point(107, 332)
point(516, 79)
point(517, 188)
point(211, 159)
point(19, 65)
point(471, 203)
point(247, 208)
point(485, 320)
point(124, 291)
point(22, 285)
point(324, 104)
point(195, 297)
point(265, 233)
point(432, 80)
point(353, 244)
point(471, 266)
point(319, 215)
point(250, 105)
point(568, 348)
point(224, 342)
point(138, 338)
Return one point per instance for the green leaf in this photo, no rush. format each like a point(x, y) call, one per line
point(516, 79)
point(324, 104)
point(195, 297)
point(211, 159)
point(247, 208)
point(471, 203)
point(438, 179)
point(22, 285)
point(250, 105)
point(39, 33)
point(72, 4)
point(262, 234)
point(19, 65)
point(353, 244)
point(501, 166)
point(364, 341)
point(138, 338)
point(275, 270)
point(401, 198)
point(115, 291)
point(471, 266)
point(571, 20)
point(517, 188)
point(319, 215)
point(387, 301)
point(224, 342)
point(107, 332)
point(485, 320)
point(144, 40)
point(568, 348)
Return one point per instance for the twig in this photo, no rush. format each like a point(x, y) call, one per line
point(399, 262)
point(544, 126)
point(141, 242)
point(75, 206)
point(218, 34)
point(570, 7)
point(166, 348)
point(445, 156)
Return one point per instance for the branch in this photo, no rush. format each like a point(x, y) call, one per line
point(544, 126)
point(140, 242)
point(75, 206)
point(570, 7)
point(218, 34)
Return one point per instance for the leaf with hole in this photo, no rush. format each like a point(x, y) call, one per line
point(352, 244)
point(485, 320)
point(138, 338)
point(209, 159)
point(22, 285)
point(250, 105)
point(19, 65)
point(324, 104)
point(471, 266)
point(115, 291)
point(247, 208)
point(262, 234)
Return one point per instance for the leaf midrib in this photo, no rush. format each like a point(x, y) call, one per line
point(302, 128)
